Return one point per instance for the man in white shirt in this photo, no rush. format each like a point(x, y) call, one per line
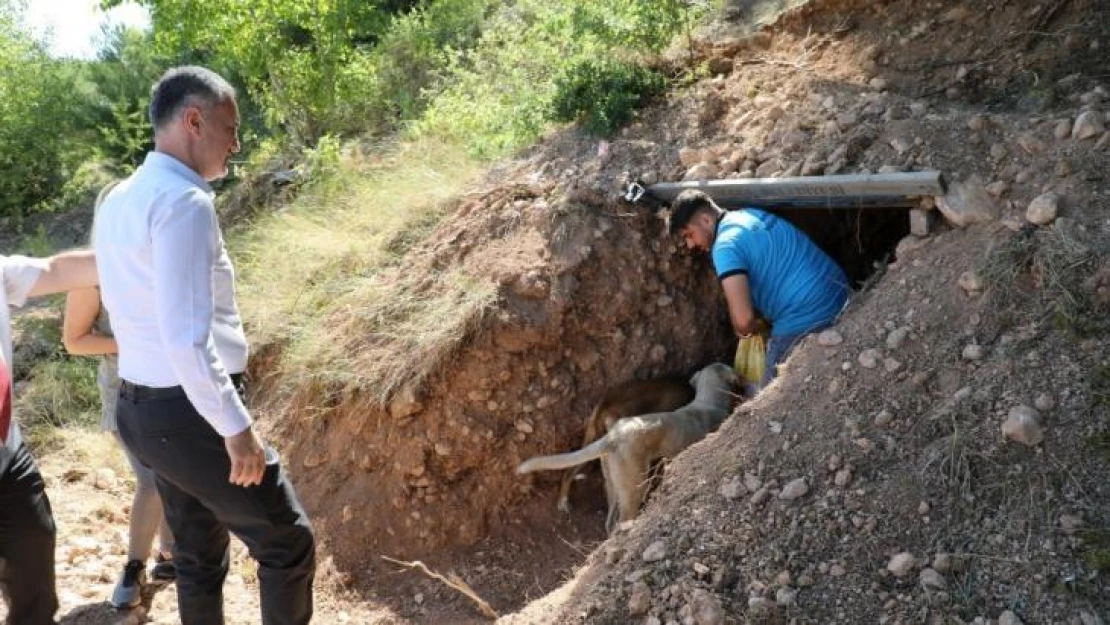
point(26, 523)
point(168, 286)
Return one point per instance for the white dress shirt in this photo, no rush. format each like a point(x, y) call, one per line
point(169, 288)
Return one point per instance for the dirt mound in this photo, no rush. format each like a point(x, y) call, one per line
point(583, 298)
point(915, 506)
point(562, 291)
point(896, 434)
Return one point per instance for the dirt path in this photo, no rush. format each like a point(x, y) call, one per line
point(90, 489)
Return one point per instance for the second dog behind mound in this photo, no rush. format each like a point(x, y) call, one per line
point(627, 400)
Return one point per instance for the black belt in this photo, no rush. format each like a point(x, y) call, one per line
point(138, 392)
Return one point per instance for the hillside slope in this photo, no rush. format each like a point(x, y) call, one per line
point(580, 291)
point(915, 507)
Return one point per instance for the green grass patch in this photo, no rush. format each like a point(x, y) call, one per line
point(323, 278)
point(61, 393)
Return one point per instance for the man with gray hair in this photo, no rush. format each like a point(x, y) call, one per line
point(168, 285)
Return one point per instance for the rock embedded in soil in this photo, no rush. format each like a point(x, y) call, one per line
point(843, 477)
point(932, 580)
point(829, 338)
point(105, 479)
point(705, 608)
point(1023, 426)
point(967, 203)
point(883, 419)
point(701, 171)
point(942, 562)
point(901, 145)
point(731, 488)
point(1030, 144)
point(901, 564)
point(758, 607)
point(752, 482)
point(786, 596)
point(970, 282)
point(1044, 402)
point(1088, 124)
point(794, 489)
point(1009, 618)
point(869, 358)
point(897, 337)
point(972, 352)
point(639, 599)
point(655, 552)
point(1043, 209)
point(760, 496)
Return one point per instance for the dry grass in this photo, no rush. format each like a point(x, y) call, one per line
point(86, 450)
point(1046, 266)
point(323, 279)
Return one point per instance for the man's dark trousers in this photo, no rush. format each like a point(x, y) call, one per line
point(191, 466)
point(26, 543)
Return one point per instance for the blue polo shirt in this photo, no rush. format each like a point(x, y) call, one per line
point(794, 284)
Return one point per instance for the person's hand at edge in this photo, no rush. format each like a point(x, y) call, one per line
point(248, 458)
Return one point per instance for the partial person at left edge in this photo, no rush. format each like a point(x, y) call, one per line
point(27, 528)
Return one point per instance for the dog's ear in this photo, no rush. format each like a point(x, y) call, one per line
point(694, 378)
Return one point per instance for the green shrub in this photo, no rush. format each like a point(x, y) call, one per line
point(603, 94)
point(501, 93)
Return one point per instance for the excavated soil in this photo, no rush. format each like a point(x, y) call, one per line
point(590, 293)
point(892, 423)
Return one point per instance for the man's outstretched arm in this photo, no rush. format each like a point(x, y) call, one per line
point(66, 271)
point(741, 312)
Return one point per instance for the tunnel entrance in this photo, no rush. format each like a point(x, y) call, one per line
point(860, 240)
point(857, 219)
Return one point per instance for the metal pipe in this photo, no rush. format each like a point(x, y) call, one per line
point(897, 190)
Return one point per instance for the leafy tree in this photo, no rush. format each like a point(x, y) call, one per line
point(41, 138)
point(303, 60)
point(539, 61)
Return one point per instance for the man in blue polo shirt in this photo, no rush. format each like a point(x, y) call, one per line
point(764, 264)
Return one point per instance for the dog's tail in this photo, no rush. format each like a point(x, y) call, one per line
point(593, 451)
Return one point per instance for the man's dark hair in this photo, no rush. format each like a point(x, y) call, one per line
point(182, 86)
point(685, 206)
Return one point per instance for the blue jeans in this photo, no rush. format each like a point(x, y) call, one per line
point(778, 348)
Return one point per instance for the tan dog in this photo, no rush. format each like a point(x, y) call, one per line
point(627, 400)
point(632, 444)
